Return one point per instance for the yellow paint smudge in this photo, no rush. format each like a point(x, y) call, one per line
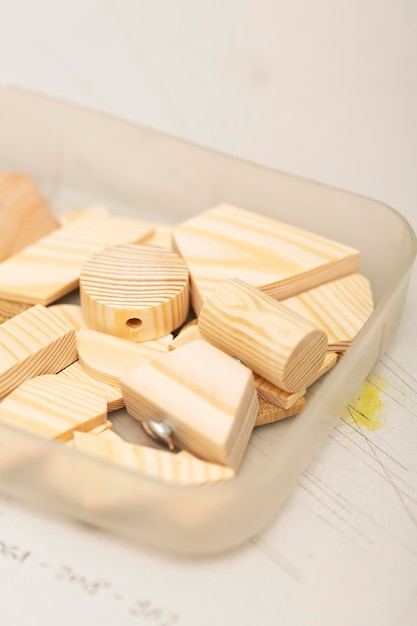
point(368, 410)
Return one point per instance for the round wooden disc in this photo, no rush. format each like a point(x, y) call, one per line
point(134, 292)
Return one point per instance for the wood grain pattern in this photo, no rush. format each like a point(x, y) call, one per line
point(32, 343)
point(46, 270)
point(107, 358)
point(276, 343)
point(54, 407)
point(190, 333)
point(113, 394)
point(24, 215)
point(275, 395)
point(340, 307)
point(228, 242)
point(71, 314)
point(180, 468)
point(208, 398)
point(269, 413)
point(9, 308)
point(72, 216)
point(161, 237)
point(135, 292)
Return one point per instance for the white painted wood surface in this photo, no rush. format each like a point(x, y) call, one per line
point(326, 90)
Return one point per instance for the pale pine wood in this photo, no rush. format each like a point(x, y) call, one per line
point(9, 309)
point(276, 343)
point(45, 271)
point(208, 398)
point(96, 211)
point(340, 307)
point(107, 358)
point(71, 314)
point(54, 407)
point(113, 394)
point(160, 237)
point(273, 394)
point(191, 333)
point(329, 362)
point(180, 468)
point(282, 260)
point(269, 413)
point(32, 343)
point(135, 292)
point(24, 215)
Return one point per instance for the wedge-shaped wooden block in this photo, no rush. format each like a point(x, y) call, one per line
point(269, 413)
point(207, 398)
point(160, 237)
point(9, 308)
point(113, 394)
point(32, 343)
point(341, 307)
point(272, 340)
point(71, 314)
point(46, 270)
point(190, 333)
point(54, 407)
point(282, 260)
point(24, 215)
point(107, 358)
point(135, 292)
point(180, 468)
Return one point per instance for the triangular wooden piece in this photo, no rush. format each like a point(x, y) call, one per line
point(32, 343)
point(269, 413)
point(113, 394)
point(282, 260)
point(24, 215)
point(54, 407)
point(46, 270)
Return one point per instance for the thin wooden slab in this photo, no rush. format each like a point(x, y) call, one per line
point(208, 399)
point(180, 468)
point(269, 413)
point(54, 407)
point(282, 260)
point(340, 307)
point(135, 292)
point(32, 343)
point(45, 271)
point(9, 309)
point(24, 215)
point(113, 394)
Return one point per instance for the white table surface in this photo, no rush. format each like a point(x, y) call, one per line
point(323, 89)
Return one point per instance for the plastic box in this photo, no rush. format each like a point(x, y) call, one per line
point(78, 158)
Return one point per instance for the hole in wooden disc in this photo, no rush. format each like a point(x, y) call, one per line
point(134, 322)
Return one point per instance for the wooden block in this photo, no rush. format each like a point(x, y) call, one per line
point(207, 398)
point(32, 343)
point(329, 361)
point(269, 413)
point(24, 215)
point(134, 292)
point(191, 333)
point(107, 358)
point(273, 394)
point(71, 314)
point(340, 307)
point(282, 260)
point(45, 271)
point(276, 343)
point(160, 237)
point(113, 394)
point(9, 309)
point(54, 407)
point(96, 211)
point(180, 468)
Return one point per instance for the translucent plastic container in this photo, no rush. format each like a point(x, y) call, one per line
point(78, 158)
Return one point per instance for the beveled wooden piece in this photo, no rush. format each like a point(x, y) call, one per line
point(276, 343)
point(135, 292)
point(340, 307)
point(160, 237)
point(54, 407)
point(9, 308)
point(71, 314)
point(50, 268)
point(180, 468)
point(24, 215)
point(282, 260)
point(32, 343)
point(207, 398)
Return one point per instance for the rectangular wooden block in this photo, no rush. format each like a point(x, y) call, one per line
point(282, 260)
point(32, 343)
point(54, 407)
point(113, 394)
point(24, 215)
point(45, 271)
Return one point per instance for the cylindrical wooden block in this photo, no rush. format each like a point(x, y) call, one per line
point(134, 292)
point(272, 340)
